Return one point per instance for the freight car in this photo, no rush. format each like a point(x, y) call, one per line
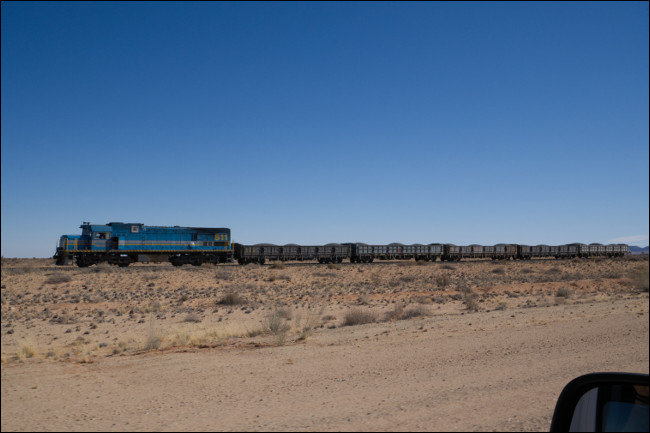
point(260, 253)
point(122, 244)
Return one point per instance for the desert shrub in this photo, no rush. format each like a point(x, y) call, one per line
point(448, 267)
point(332, 266)
point(639, 278)
point(636, 258)
point(154, 339)
point(498, 271)
point(395, 313)
point(153, 342)
point(469, 299)
point(563, 292)
point(122, 346)
point(277, 326)
point(358, 317)
point(442, 280)
point(254, 332)
point(224, 275)
point(423, 300)
point(27, 350)
point(231, 298)
point(192, 317)
point(307, 325)
point(278, 265)
point(364, 299)
point(102, 268)
point(401, 313)
point(407, 278)
point(58, 279)
point(284, 313)
point(415, 311)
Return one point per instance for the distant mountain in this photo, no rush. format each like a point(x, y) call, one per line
point(638, 250)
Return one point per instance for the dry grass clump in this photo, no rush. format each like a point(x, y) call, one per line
point(358, 317)
point(153, 343)
point(415, 311)
point(364, 299)
point(231, 298)
point(223, 274)
point(442, 280)
point(639, 278)
point(27, 350)
point(284, 313)
point(192, 318)
point(307, 325)
point(154, 339)
point(284, 277)
point(401, 313)
point(469, 299)
point(278, 265)
point(563, 292)
point(394, 314)
point(58, 279)
point(277, 326)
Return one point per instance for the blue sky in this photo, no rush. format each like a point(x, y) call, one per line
point(327, 122)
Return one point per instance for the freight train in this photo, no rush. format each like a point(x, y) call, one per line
point(125, 243)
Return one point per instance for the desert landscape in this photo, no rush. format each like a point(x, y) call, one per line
point(468, 346)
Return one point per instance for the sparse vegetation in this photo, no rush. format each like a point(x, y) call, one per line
point(400, 312)
point(277, 326)
point(639, 278)
point(358, 317)
point(193, 318)
point(231, 299)
point(469, 299)
point(27, 350)
point(273, 302)
point(58, 279)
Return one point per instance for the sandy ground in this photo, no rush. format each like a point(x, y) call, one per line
point(471, 346)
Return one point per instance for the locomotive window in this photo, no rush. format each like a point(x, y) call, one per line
point(135, 229)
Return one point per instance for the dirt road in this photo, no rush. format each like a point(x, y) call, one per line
point(497, 370)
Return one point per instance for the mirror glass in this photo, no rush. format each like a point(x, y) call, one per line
point(612, 408)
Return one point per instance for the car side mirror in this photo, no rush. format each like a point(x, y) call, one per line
point(603, 402)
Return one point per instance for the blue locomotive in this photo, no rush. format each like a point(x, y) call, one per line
point(125, 243)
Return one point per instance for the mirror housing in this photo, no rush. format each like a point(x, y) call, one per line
point(603, 402)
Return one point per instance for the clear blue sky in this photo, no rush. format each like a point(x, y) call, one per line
point(327, 122)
